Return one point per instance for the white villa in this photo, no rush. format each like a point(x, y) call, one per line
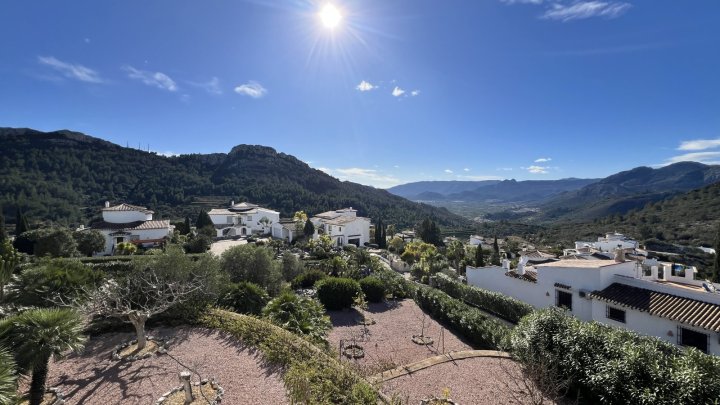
point(608, 243)
point(130, 223)
point(343, 226)
point(243, 219)
point(284, 229)
point(650, 297)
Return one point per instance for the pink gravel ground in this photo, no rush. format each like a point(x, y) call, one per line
point(93, 378)
point(389, 343)
point(479, 380)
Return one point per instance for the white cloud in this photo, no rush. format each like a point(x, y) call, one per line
point(365, 86)
point(252, 89)
point(397, 92)
point(397, 166)
point(537, 169)
point(415, 93)
point(448, 171)
point(522, 1)
point(212, 86)
point(585, 9)
point(466, 169)
point(504, 169)
point(699, 144)
point(154, 79)
point(370, 177)
point(70, 70)
point(542, 160)
point(711, 158)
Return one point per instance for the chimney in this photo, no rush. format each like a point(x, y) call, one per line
point(520, 270)
point(107, 204)
point(232, 202)
point(506, 264)
point(620, 255)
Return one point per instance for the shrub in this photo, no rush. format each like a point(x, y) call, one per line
point(462, 318)
point(53, 278)
point(245, 298)
point(613, 365)
point(395, 284)
point(255, 264)
point(373, 288)
point(337, 293)
point(291, 266)
point(301, 315)
point(308, 279)
point(312, 376)
point(499, 304)
point(125, 248)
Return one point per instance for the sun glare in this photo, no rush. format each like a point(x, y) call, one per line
point(330, 16)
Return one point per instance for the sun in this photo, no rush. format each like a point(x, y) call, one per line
point(330, 16)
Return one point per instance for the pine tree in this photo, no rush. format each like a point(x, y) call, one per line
point(203, 220)
point(479, 259)
point(309, 229)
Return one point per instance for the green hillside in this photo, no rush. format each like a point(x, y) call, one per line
point(66, 176)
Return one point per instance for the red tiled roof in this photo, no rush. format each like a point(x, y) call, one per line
point(128, 207)
point(529, 275)
point(686, 310)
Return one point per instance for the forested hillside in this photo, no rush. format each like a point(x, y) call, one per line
point(66, 176)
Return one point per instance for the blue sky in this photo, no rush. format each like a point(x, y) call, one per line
point(398, 91)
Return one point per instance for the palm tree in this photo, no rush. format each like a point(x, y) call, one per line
point(37, 335)
point(8, 378)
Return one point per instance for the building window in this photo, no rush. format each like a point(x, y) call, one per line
point(615, 314)
point(340, 229)
point(689, 337)
point(563, 299)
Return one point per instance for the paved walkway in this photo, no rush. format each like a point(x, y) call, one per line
point(431, 361)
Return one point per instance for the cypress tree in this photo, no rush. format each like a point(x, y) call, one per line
point(187, 225)
point(716, 267)
point(203, 220)
point(21, 223)
point(479, 259)
point(3, 234)
point(309, 229)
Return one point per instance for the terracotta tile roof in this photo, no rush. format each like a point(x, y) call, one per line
point(137, 225)
point(128, 207)
point(685, 310)
point(529, 275)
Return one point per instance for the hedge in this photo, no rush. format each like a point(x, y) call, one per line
point(616, 366)
point(311, 376)
point(373, 288)
point(462, 318)
point(337, 293)
point(308, 279)
point(499, 304)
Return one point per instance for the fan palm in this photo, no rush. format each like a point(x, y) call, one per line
point(37, 335)
point(8, 377)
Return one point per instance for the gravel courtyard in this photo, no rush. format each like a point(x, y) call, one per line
point(93, 378)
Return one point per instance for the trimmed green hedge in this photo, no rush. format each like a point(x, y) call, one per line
point(463, 318)
point(311, 376)
point(614, 365)
point(373, 288)
point(499, 304)
point(308, 279)
point(337, 293)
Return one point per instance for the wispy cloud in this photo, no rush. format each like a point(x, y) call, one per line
point(700, 144)
point(569, 10)
point(585, 9)
point(542, 160)
point(71, 70)
point(365, 86)
point(466, 169)
point(415, 93)
point(397, 92)
point(212, 86)
point(504, 169)
point(711, 158)
point(153, 79)
point(448, 171)
point(252, 89)
point(370, 177)
point(537, 169)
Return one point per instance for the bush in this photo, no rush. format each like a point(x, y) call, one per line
point(468, 321)
point(308, 279)
point(291, 266)
point(38, 284)
point(245, 298)
point(198, 244)
point(312, 376)
point(337, 293)
point(395, 284)
point(499, 304)
point(302, 315)
point(373, 288)
point(255, 264)
point(613, 365)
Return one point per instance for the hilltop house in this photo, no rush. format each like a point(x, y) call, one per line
point(343, 226)
point(243, 219)
point(650, 297)
point(609, 243)
point(130, 223)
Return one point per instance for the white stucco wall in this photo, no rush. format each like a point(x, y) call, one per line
point(122, 217)
point(144, 234)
